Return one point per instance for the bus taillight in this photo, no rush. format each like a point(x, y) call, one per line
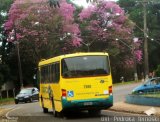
point(110, 90)
point(64, 93)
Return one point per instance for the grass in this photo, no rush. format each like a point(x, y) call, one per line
point(156, 95)
point(4, 101)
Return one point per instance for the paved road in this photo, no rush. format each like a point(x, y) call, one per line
point(31, 112)
point(120, 91)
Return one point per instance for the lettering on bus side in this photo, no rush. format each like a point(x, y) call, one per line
point(87, 86)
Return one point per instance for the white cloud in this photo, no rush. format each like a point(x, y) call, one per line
point(84, 3)
point(81, 3)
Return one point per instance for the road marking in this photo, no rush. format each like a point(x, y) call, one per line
point(7, 114)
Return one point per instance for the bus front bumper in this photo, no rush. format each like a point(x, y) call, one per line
point(90, 104)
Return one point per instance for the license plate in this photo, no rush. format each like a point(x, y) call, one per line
point(88, 103)
point(20, 98)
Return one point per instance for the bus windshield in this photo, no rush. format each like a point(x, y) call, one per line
point(84, 66)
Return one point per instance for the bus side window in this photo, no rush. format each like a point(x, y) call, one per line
point(57, 72)
point(49, 73)
point(42, 74)
point(52, 73)
point(45, 74)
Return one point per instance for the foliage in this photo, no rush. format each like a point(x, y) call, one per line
point(44, 31)
point(4, 48)
point(108, 23)
point(53, 23)
point(105, 27)
point(157, 72)
point(135, 11)
point(4, 74)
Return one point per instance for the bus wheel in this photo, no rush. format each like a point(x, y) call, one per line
point(55, 113)
point(94, 112)
point(45, 110)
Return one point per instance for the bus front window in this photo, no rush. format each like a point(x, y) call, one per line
point(84, 66)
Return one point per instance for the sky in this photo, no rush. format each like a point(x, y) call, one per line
point(84, 3)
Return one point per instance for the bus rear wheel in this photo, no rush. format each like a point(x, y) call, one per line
point(45, 110)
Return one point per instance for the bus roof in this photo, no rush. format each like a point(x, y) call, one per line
point(58, 58)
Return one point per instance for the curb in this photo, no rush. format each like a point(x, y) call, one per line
point(127, 111)
point(132, 108)
point(139, 100)
point(132, 112)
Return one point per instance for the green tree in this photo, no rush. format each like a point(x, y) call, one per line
point(158, 71)
point(134, 8)
point(4, 74)
point(4, 46)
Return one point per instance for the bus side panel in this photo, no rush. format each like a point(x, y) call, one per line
point(44, 95)
point(49, 91)
point(57, 96)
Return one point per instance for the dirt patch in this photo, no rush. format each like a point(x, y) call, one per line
point(7, 103)
point(3, 111)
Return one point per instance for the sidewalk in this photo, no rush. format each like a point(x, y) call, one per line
point(132, 108)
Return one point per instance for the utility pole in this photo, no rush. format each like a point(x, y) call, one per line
point(19, 66)
point(146, 62)
point(135, 63)
point(146, 66)
point(19, 59)
point(132, 48)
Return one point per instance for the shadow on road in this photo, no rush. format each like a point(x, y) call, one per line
point(72, 115)
point(75, 116)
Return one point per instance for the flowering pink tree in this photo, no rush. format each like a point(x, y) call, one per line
point(41, 26)
point(45, 31)
point(105, 22)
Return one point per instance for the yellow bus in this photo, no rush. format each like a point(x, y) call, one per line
point(79, 81)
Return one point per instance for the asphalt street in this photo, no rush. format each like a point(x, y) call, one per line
point(32, 112)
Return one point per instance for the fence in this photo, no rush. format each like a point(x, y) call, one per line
point(7, 93)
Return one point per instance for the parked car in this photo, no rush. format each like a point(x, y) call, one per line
point(27, 94)
point(150, 85)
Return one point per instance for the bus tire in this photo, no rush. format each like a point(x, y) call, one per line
point(94, 112)
point(55, 113)
point(45, 110)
